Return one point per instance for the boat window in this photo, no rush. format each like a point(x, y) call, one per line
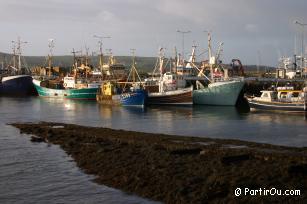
point(274, 95)
point(265, 95)
point(295, 94)
point(283, 95)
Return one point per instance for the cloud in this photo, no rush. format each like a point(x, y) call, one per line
point(252, 28)
point(146, 24)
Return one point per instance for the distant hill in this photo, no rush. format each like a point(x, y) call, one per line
point(144, 64)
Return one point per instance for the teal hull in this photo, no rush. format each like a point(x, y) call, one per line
point(219, 94)
point(78, 94)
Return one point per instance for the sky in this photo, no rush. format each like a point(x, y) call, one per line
point(255, 31)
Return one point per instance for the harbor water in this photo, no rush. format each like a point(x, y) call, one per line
point(42, 173)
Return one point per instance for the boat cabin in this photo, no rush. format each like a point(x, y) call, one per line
point(109, 89)
point(267, 96)
point(69, 82)
point(290, 96)
point(282, 94)
point(168, 82)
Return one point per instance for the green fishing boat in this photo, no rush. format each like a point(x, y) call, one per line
point(222, 90)
point(58, 90)
point(219, 93)
point(76, 85)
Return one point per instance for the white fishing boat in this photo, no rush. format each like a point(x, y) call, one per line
point(171, 87)
point(280, 99)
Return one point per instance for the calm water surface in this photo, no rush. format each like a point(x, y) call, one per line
point(42, 173)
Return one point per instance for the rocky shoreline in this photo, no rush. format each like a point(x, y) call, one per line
point(176, 169)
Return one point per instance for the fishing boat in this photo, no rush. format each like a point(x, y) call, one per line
point(221, 89)
point(16, 79)
point(223, 93)
point(77, 85)
point(17, 85)
point(176, 97)
point(171, 88)
point(109, 93)
point(134, 93)
point(69, 88)
point(280, 99)
point(134, 97)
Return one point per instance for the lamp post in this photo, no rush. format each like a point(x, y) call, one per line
point(302, 51)
point(183, 33)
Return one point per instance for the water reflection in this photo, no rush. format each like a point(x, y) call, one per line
point(39, 173)
point(202, 121)
point(217, 112)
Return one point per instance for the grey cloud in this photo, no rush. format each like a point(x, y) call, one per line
point(244, 26)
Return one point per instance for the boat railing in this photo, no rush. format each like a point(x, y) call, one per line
point(43, 77)
point(291, 100)
point(229, 79)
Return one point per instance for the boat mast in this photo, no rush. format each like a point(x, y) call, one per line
point(171, 65)
point(133, 65)
point(100, 51)
point(18, 49)
point(75, 65)
point(111, 58)
point(86, 56)
point(14, 54)
point(86, 61)
point(176, 59)
point(100, 57)
point(183, 33)
point(193, 58)
point(161, 61)
point(219, 51)
point(211, 60)
point(51, 46)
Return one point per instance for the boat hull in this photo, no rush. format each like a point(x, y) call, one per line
point(108, 100)
point(77, 94)
point(276, 106)
point(176, 97)
point(135, 98)
point(18, 85)
point(220, 94)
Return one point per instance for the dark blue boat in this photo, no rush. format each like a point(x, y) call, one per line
point(15, 80)
point(136, 97)
point(17, 85)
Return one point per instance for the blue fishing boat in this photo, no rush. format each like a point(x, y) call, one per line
point(135, 95)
